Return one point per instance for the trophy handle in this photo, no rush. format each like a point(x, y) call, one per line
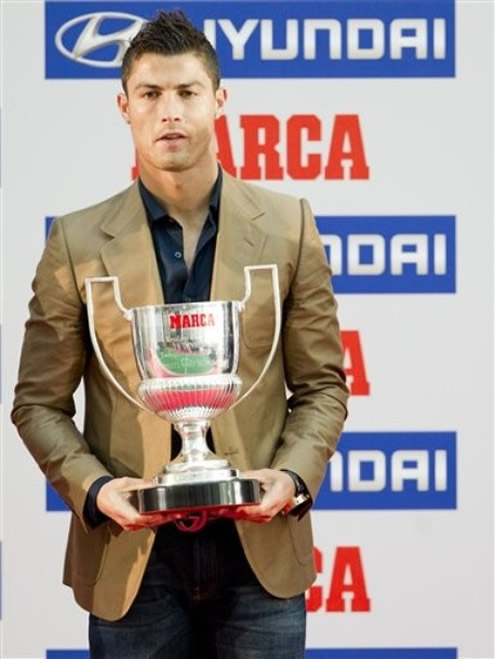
point(88, 282)
point(278, 318)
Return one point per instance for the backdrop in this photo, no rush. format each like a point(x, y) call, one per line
point(381, 114)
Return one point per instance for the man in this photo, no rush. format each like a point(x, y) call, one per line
point(183, 232)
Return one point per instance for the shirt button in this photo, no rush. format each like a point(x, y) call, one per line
point(178, 255)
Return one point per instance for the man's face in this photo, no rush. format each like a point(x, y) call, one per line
point(171, 107)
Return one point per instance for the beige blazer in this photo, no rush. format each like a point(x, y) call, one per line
point(104, 566)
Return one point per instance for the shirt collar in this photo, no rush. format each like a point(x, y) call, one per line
point(155, 210)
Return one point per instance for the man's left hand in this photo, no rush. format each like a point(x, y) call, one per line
point(277, 487)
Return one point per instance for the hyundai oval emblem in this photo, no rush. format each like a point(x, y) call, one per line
point(91, 39)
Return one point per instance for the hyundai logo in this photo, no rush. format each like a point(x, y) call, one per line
point(92, 39)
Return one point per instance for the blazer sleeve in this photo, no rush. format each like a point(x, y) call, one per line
point(52, 363)
point(313, 363)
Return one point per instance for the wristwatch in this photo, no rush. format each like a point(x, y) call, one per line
point(302, 500)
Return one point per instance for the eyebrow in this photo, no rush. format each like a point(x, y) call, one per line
point(154, 86)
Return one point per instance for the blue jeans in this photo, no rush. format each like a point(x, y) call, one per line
point(199, 599)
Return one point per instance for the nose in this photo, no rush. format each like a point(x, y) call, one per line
point(170, 108)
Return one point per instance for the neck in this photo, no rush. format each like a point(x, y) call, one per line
point(183, 193)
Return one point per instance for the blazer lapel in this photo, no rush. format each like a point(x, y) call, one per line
point(130, 254)
point(239, 241)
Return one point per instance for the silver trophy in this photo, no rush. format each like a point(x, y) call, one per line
point(187, 356)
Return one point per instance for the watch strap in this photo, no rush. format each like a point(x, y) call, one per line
point(302, 500)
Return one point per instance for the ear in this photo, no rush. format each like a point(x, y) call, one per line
point(221, 100)
point(123, 105)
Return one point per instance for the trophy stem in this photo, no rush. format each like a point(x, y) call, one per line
point(195, 454)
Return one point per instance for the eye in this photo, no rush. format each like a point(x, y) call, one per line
point(150, 95)
point(186, 93)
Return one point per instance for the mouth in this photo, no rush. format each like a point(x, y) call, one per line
point(171, 137)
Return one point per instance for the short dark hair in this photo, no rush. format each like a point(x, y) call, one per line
point(171, 33)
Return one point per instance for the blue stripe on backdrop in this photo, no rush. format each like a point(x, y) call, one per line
point(391, 471)
point(391, 254)
point(48, 222)
point(325, 653)
point(53, 502)
point(379, 471)
point(67, 654)
point(353, 39)
point(383, 653)
point(388, 254)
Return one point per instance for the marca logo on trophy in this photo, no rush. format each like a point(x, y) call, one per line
point(187, 356)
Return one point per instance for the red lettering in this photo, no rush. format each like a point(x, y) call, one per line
point(186, 321)
point(255, 146)
point(135, 168)
point(224, 147)
point(261, 138)
point(354, 363)
point(314, 594)
point(174, 322)
point(346, 144)
point(348, 577)
point(296, 126)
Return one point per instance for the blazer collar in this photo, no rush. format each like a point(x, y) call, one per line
point(239, 241)
point(130, 254)
point(127, 215)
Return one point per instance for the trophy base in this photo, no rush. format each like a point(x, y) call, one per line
point(185, 474)
point(199, 496)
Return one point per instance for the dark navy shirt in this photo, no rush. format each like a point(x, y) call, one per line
point(178, 284)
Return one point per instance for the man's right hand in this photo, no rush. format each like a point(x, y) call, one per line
point(113, 500)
